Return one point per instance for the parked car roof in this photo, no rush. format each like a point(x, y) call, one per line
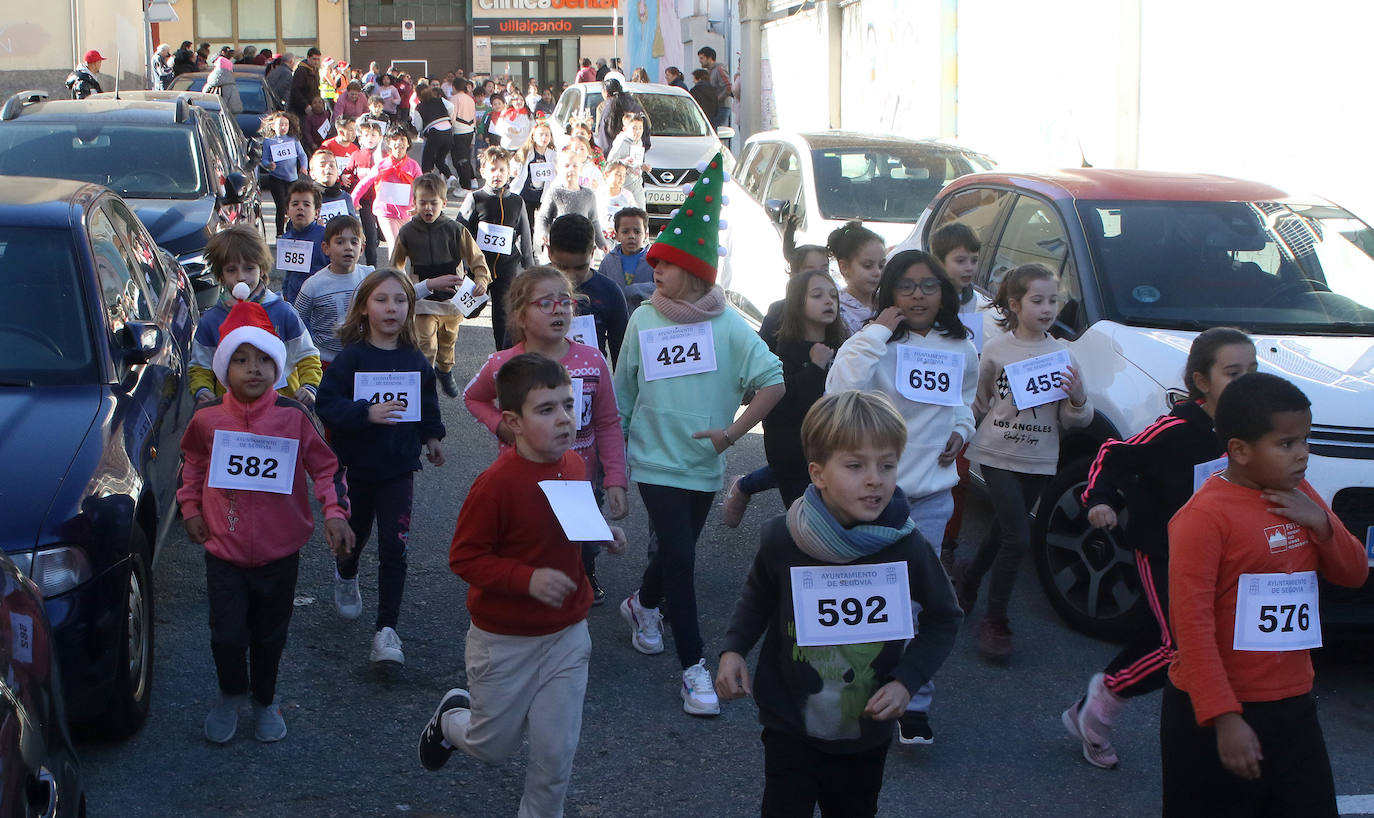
point(33, 202)
point(859, 139)
point(1109, 184)
point(133, 110)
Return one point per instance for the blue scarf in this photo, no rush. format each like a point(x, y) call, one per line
point(820, 536)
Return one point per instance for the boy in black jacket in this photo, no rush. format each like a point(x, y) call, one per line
point(833, 585)
point(496, 217)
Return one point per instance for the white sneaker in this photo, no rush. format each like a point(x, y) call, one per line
point(698, 694)
point(348, 600)
point(646, 625)
point(386, 648)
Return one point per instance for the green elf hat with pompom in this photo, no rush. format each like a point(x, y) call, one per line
point(691, 239)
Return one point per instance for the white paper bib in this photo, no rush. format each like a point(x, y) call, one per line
point(851, 604)
point(294, 255)
point(1037, 381)
point(283, 152)
point(495, 238)
point(381, 387)
point(249, 462)
point(1276, 612)
point(930, 375)
point(681, 349)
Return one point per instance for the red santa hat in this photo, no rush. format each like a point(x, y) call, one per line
point(248, 323)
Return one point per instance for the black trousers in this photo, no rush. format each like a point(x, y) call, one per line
point(371, 232)
point(388, 502)
point(250, 609)
point(462, 159)
point(677, 517)
point(438, 147)
point(497, 289)
point(1295, 775)
point(797, 777)
point(280, 189)
point(1143, 662)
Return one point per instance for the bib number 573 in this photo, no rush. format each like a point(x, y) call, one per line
point(851, 611)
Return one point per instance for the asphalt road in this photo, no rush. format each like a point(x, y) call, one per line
point(1000, 749)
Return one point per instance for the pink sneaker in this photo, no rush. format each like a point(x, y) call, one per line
point(1090, 720)
point(736, 503)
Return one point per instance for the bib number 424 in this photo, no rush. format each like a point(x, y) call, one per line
point(831, 611)
point(677, 354)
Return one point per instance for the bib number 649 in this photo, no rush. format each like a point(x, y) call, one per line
point(831, 611)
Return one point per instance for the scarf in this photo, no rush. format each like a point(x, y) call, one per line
point(690, 312)
point(820, 536)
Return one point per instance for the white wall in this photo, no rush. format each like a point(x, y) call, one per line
point(891, 64)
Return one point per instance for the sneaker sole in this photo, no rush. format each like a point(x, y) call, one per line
point(1069, 718)
point(389, 663)
point(347, 613)
point(438, 713)
point(699, 710)
point(629, 617)
point(901, 739)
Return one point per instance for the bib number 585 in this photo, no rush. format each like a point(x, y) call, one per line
point(831, 611)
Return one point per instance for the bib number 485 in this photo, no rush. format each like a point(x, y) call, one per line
point(677, 354)
point(851, 611)
point(387, 397)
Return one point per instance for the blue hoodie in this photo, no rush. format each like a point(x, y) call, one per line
point(632, 273)
point(291, 280)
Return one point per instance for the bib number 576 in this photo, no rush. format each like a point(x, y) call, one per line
point(831, 611)
point(1272, 615)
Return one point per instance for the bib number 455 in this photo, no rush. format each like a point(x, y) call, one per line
point(851, 611)
point(677, 354)
point(1044, 383)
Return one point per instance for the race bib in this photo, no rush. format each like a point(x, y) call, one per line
point(682, 349)
point(323, 130)
point(294, 255)
point(637, 154)
point(21, 637)
point(583, 330)
point(1369, 545)
point(329, 210)
point(1039, 380)
point(580, 403)
point(341, 162)
point(467, 302)
point(393, 193)
point(542, 173)
point(930, 375)
point(248, 462)
point(380, 387)
point(1277, 612)
point(283, 151)
point(851, 604)
point(1202, 471)
point(495, 238)
point(973, 322)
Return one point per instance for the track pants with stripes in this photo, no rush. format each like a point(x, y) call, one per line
point(1143, 662)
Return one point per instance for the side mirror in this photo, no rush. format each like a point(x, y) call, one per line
point(140, 341)
point(777, 209)
point(234, 184)
point(725, 132)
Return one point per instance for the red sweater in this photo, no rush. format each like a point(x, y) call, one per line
point(506, 529)
point(251, 528)
point(1217, 536)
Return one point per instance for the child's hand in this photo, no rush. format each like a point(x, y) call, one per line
point(1102, 516)
point(732, 676)
point(504, 434)
point(821, 355)
point(386, 414)
point(888, 703)
point(1073, 384)
point(890, 318)
point(339, 536)
point(1299, 508)
point(618, 541)
point(445, 285)
point(551, 586)
point(306, 396)
point(717, 436)
point(616, 502)
point(953, 446)
point(204, 395)
point(434, 453)
point(478, 290)
point(197, 530)
point(1238, 746)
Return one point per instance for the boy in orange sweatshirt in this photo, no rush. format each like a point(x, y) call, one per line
point(1238, 725)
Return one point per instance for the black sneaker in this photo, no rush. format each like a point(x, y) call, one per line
point(913, 727)
point(434, 750)
point(447, 383)
point(598, 593)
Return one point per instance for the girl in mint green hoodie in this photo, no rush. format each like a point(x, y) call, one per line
point(686, 363)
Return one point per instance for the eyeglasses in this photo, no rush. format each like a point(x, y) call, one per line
point(927, 286)
point(548, 305)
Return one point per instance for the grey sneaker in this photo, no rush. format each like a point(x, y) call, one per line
point(348, 600)
point(386, 648)
point(223, 719)
point(646, 628)
point(434, 748)
point(269, 726)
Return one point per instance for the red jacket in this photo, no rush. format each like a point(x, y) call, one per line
point(251, 528)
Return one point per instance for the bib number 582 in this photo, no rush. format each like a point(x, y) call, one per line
point(831, 611)
point(1280, 617)
point(250, 466)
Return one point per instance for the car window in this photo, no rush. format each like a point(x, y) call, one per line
point(979, 208)
point(884, 182)
point(45, 336)
point(786, 178)
point(123, 296)
point(566, 105)
point(141, 253)
point(672, 115)
point(251, 91)
point(157, 161)
point(218, 153)
point(756, 165)
point(1034, 235)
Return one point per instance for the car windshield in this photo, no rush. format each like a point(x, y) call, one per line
point(250, 91)
point(1263, 266)
point(885, 184)
point(669, 114)
point(45, 339)
point(135, 161)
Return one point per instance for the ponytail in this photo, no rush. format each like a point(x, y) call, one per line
point(1015, 285)
point(846, 241)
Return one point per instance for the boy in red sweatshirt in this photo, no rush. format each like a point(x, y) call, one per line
point(1238, 725)
point(243, 496)
point(528, 647)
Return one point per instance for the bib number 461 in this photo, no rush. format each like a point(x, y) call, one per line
point(676, 354)
point(851, 610)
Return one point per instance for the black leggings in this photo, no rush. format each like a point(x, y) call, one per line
point(438, 146)
point(677, 516)
point(462, 159)
point(1143, 662)
point(371, 232)
point(279, 188)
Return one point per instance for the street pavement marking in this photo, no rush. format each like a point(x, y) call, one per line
point(1355, 804)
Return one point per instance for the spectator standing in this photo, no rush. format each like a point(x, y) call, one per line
point(601, 69)
point(464, 126)
point(203, 57)
point(673, 76)
point(279, 75)
point(184, 60)
point(586, 73)
point(162, 68)
point(352, 103)
point(82, 82)
point(433, 121)
point(720, 83)
point(704, 94)
point(305, 84)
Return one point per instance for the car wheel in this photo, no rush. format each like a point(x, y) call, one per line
point(1091, 580)
point(132, 689)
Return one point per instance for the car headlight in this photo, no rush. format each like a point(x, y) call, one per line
point(55, 570)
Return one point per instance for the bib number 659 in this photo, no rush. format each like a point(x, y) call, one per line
point(831, 611)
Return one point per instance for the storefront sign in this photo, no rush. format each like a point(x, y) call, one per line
point(548, 26)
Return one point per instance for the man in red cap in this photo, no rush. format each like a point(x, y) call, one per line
point(82, 81)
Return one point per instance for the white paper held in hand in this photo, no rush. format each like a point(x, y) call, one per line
point(1039, 380)
point(576, 510)
point(323, 130)
point(384, 387)
point(467, 302)
point(393, 193)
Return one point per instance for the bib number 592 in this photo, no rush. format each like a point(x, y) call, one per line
point(831, 611)
point(1280, 617)
point(250, 466)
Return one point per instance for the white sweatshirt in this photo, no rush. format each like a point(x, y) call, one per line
point(867, 361)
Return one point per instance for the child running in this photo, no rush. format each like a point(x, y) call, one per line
point(1238, 727)
point(284, 159)
point(379, 402)
point(827, 704)
point(1017, 448)
point(541, 304)
point(300, 248)
point(323, 300)
point(859, 253)
point(254, 520)
point(496, 218)
point(686, 363)
point(537, 170)
point(334, 200)
point(528, 646)
point(239, 259)
point(625, 263)
point(389, 182)
point(572, 243)
point(918, 354)
point(1154, 473)
point(568, 195)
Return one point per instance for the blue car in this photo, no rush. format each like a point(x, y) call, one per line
point(95, 335)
